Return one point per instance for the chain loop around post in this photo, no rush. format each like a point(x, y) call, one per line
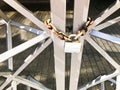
point(63, 36)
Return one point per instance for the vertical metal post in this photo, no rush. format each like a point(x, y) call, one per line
point(80, 16)
point(28, 88)
point(103, 86)
point(9, 37)
point(58, 15)
point(14, 85)
point(9, 45)
point(118, 83)
point(81, 8)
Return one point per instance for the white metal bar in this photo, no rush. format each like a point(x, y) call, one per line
point(9, 88)
point(28, 60)
point(107, 24)
point(27, 83)
point(81, 8)
point(103, 53)
point(20, 8)
point(4, 16)
point(80, 17)
point(105, 36)
point(117, 0)
point(112, 80)
point(14, 85)
point(30, 83)
point(25, 27)
point(28, 88)
point(22, 47)
point(75, 68)
point(35, 81)
point(9, 45)
point(2, 22)
point(99, 80)
point(110, 10)
point(5, 73)
point(27, 22)
point(58, 15)
point(59, 57)
point(103, 86)
point(9, 37)
point(118, 83)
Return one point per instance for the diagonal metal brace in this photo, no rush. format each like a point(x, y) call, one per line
point(105, 36)
point(25, 27)
point(22, 47)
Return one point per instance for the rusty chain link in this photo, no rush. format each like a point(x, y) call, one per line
point(70, 38)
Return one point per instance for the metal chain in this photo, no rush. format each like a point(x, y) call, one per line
point(70, 38)
point(85, 28)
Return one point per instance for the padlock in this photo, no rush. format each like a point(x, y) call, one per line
point(72, 47)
